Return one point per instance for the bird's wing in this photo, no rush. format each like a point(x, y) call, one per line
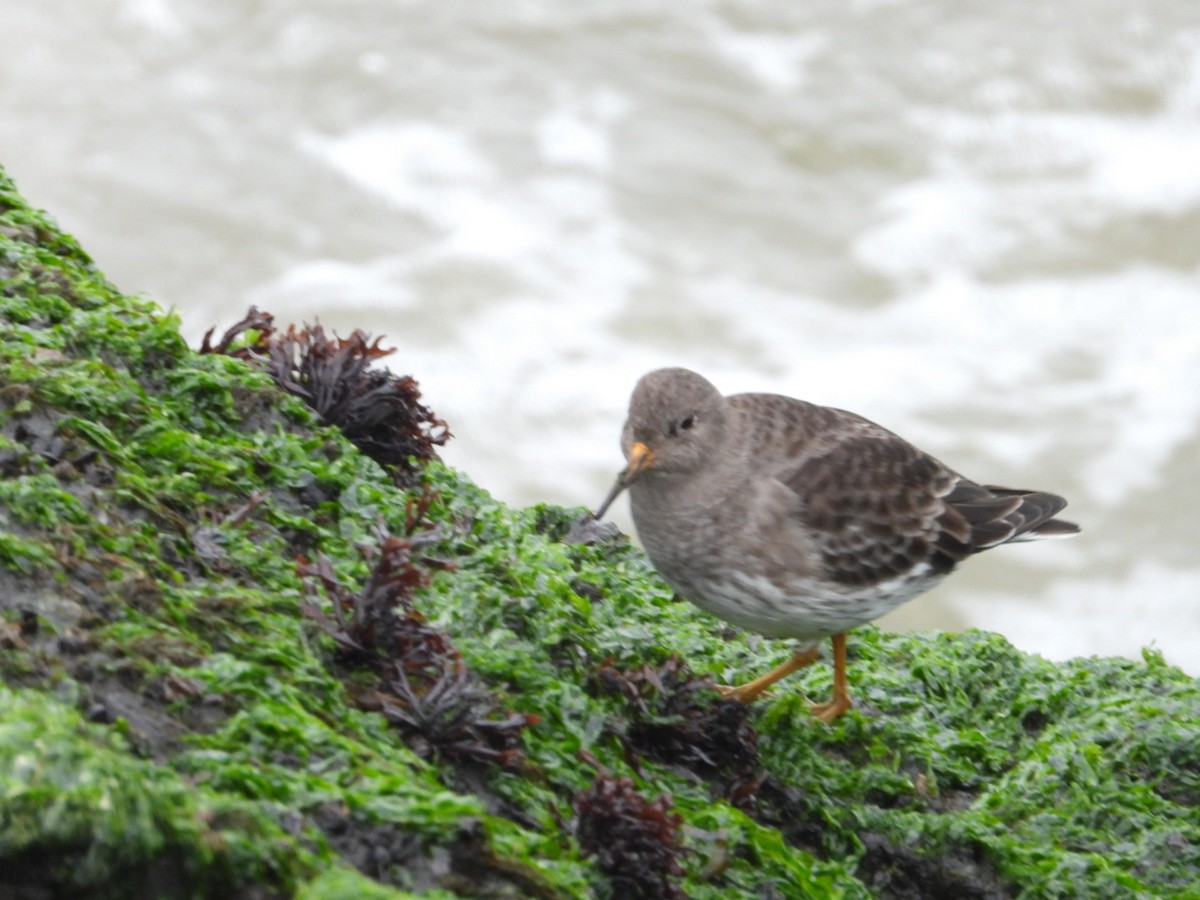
point(879, 508)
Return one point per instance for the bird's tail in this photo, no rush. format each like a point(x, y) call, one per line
point(1032, 518)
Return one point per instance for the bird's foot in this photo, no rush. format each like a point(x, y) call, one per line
point(743, 693)
point(827, 712)
point(752, 690)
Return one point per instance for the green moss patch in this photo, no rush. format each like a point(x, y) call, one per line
point(82, 816)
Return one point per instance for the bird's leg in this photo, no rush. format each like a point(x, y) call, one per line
point(827, 712)
point(751, 690)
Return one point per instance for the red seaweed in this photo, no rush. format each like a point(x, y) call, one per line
point(379, 412)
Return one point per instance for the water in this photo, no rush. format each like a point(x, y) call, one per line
point(978, 224)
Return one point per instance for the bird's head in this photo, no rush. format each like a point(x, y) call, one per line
point(676, 421)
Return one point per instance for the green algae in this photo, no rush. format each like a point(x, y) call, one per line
point(80, 814)
point(346, 884)
point(153, 502)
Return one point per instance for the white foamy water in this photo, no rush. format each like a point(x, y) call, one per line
point(977, 224)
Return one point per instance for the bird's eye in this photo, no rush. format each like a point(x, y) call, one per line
point(688, 422)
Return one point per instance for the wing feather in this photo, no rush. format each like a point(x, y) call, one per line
point(880, 508)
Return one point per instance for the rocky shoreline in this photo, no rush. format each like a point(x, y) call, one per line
point(242, 657)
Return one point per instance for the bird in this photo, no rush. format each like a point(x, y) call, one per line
point(799, 521)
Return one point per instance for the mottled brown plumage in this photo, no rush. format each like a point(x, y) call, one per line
point(801, 521)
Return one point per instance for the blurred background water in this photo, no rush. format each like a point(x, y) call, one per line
point(976, 223)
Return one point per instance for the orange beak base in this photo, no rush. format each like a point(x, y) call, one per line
point(640, 459)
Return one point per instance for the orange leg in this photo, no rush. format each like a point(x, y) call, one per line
point(827, 712)
point(751, 690)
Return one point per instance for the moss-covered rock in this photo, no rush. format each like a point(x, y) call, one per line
point(83, 816)
point(174, 725)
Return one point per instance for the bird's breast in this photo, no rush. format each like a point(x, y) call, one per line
point(682, 535)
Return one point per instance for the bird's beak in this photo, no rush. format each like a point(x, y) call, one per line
point(640, 459)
